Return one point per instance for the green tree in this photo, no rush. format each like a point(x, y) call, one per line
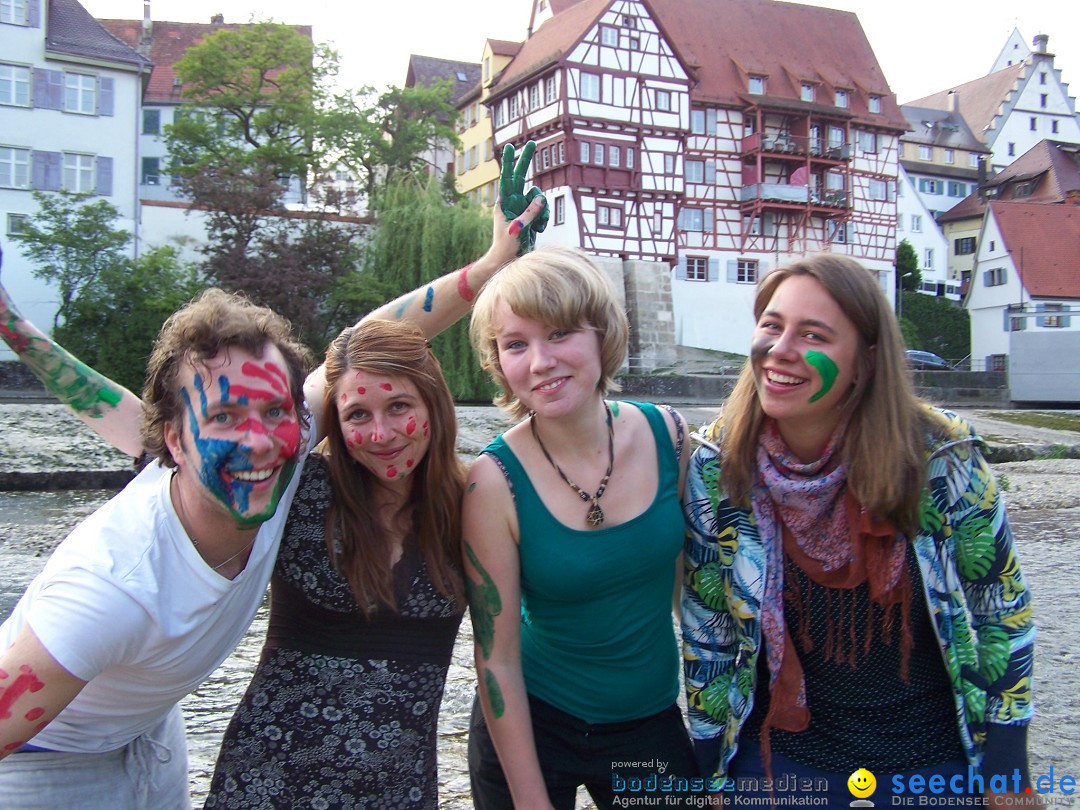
point(907, 266)
point(939, 325)
point(72, 241)
point(418, 237)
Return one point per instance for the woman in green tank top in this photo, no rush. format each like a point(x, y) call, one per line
point(572, 540)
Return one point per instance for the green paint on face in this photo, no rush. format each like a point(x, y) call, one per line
point(484, 603)
point(826, 368)
point(614, 408)
point(472, 486)
point(495, 696)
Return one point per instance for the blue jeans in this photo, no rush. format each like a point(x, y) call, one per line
point(573, 753)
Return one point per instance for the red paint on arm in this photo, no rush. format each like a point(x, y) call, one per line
point(464, 290)
point(26, 682)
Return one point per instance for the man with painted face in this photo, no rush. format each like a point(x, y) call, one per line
point(150, 593)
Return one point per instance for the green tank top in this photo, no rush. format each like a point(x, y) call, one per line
point(597, 637)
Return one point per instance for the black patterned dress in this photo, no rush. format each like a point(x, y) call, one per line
point(341, 711)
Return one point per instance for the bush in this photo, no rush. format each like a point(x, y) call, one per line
point(939, 326)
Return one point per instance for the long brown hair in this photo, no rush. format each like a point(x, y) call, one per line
point(883, 446)
point(396, 349)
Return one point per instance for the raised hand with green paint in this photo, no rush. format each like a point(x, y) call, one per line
point(513, 199)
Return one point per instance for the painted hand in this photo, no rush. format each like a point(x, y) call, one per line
point(514, 200)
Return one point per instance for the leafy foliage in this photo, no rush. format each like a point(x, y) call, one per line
point(938, 325)
point(419, 237)
point(907, 266)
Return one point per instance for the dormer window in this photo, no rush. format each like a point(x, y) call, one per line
point(629, 21)
point(874, 104)
point(756, 86)
point(842, 98)
point(806, 93)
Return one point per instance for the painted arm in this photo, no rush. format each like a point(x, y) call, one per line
point(438, 305)
point(493, 582)
point(110, 410)
point(34, 688)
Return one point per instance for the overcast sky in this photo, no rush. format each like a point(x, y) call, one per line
point(923, 45)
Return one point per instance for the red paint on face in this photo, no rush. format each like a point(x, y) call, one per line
point(26, 682)
point(391, 472)
point(410, 428)
point(288, 433)
point(3, 675)
point(342, 397)
point(409, 463)
point(34, 713)
point(360, 390)
point(386, 386)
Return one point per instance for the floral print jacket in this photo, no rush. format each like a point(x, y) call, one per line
point(978, 601)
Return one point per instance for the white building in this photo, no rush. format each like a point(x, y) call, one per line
point(69, 102)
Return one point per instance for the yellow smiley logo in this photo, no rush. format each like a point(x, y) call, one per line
point(861, 783)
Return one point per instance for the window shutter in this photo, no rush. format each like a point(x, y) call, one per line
point(46, 173)
point(710, 171)
point(1064, 321)
point(680, 271)
point(104, 176)
point(707, 220)
point(33, 13)
point(732, 271)
point(714, 269)
point(770, 224)
point(710, 122)
point(986, 279)
point(48, 87)
point(106, 91)
point(680, 220)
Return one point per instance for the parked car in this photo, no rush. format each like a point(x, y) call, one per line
point(927, 361)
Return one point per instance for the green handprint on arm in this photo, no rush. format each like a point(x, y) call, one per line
point(514, 200)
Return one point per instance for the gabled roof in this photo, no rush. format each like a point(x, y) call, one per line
point(1054, 168)
point(72, 30)
point(1044, 243)
point(940, 128)
point(504, 47)
point(427, 70)
point(169, 41)
point(980, 100)
point(723, 42)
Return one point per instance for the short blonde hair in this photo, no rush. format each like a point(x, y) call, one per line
point(560, 287)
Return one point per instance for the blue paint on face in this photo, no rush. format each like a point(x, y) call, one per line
point(429, 297)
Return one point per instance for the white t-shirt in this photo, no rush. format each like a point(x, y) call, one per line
point(127, 604)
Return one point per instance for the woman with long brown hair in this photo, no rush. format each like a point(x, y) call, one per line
point(853, 599)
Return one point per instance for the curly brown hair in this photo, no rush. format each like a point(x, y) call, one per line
point(212, 322)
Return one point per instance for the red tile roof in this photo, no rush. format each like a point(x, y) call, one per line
point(71, 29)
point(504, 47)
point(979, 100)
point(1044, 242)
point(170, 40)
point(723, 41)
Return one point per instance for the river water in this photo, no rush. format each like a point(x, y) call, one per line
point(1044, 504)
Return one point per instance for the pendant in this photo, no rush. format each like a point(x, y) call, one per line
point(595, 516)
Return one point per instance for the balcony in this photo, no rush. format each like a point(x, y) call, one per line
point(775, 143)
point(831, 199)
point(775, 192)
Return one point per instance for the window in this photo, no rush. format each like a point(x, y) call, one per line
point(1012, 149)
point(806, 91)
point(998, 362)
point(78, 172)
point(80, 93)
point(964, 246)
point(929, 186)
point(586, 152)
point(514, 107)
point(663, 100)
point(16, 223)
point(151, 171)
point(498, 120)
point(669, 164)
point(1042, 100)
point(868, 142)
point(950, 155)
point(1053, 127)
point(550, 89)
point(534, 97)
point(632, 42)
point(926, 152)
point(13, 12)
point(841, 98)
point(545, 158)
point(562, 152)
point(928, 259)
point(614, 153)
point(695, 171)
point(560, 209)
point(957, 189)
point(487, 69)
point(877, 189)
point(697, 268)
point(916, 223)
point(692, 219)
point(746, 271)
point(756, 86)
point(15, 85)
point(1052, 321)
point(629, 158)
point(874, 104)
point(899, 222)
point(1017, 324)
point(697, 122)
point(629, 21)
point(609, 35)
point(836, 137)
point(598, 154)
point(994, 277)
point(151, 122)
point(993, 246)
point(608, 216)
point(590, 87)
point(1033, 123)
point(14, 167)
point(973, 160)
point(1042, 78)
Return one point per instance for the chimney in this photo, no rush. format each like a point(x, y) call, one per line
point(146, 32)
point(217, 19)
point(1039, 42)
point(954, 101)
